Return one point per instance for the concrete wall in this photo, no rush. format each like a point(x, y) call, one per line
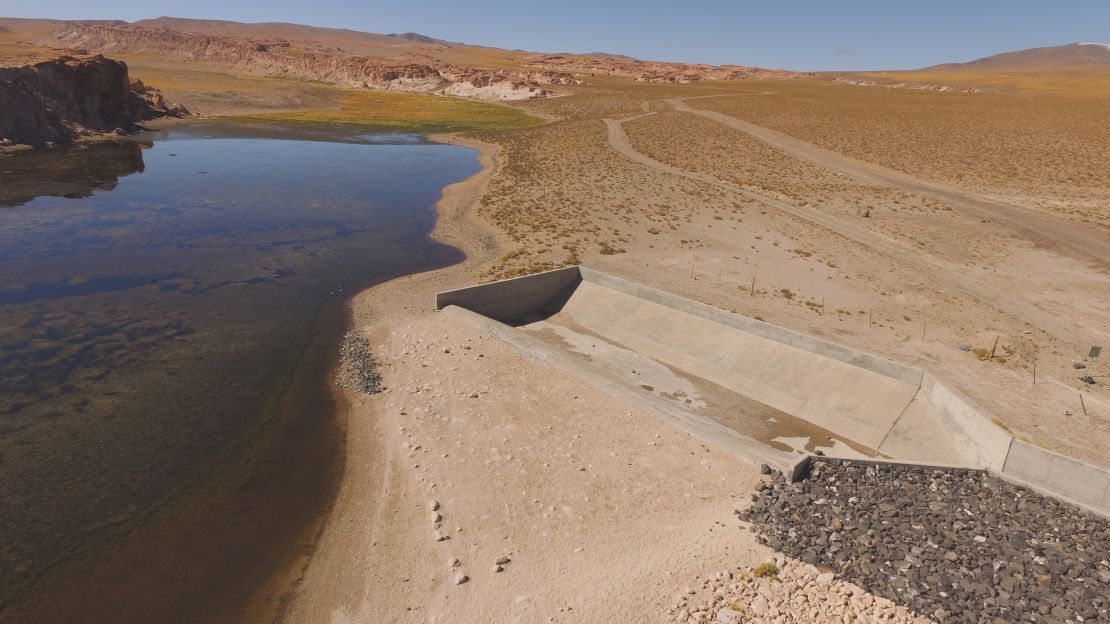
point(981, 441)
point(508, 299)
point(1063, 476)
point(888, 368)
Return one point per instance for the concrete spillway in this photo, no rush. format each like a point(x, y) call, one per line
point(810, 395)
point(768, 394)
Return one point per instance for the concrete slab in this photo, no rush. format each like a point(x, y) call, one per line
point(859, 404)
point(919, 436)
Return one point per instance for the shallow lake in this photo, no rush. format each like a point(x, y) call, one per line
point(156, 296)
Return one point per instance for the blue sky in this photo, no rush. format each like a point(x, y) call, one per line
point(815, 35)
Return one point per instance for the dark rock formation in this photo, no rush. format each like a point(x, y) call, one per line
point(58, 100)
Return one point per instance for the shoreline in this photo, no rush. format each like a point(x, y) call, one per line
point(458, 226)
point(453, 207)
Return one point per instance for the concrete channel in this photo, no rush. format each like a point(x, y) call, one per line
point(763, 392)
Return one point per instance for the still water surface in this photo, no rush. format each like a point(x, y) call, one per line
point(156, 295)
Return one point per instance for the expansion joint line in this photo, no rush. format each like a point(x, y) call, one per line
point(897, 420)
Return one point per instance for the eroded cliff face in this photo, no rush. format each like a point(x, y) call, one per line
point(304, 60)
point(58, 100)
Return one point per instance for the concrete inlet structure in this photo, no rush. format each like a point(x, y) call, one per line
point(763, 392)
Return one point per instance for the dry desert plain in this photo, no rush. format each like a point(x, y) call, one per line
point(903, 222)
point(603, 511)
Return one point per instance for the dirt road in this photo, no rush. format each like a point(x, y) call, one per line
point(1082, 242)
point(1089, 246)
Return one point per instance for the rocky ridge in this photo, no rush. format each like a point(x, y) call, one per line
point(304, 60)
point(653, 71)
point(861, 82)
point(60, 99)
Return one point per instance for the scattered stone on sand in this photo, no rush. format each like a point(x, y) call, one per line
point(461, 578)
point(358, 372)
point(502, 560)
point(498, 568)
point(955, 541)
point(782, 592)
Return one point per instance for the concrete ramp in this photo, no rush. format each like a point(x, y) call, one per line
point(762, 392)
point(856, 403)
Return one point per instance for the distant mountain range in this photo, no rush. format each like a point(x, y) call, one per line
point(419, 38)
point(1070, 56)
point(416, 47)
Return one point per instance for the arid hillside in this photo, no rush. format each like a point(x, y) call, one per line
point(179, 54)
point(310, 61)
point(1070, 56)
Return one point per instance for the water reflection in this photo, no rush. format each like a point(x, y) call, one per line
point(72, 171)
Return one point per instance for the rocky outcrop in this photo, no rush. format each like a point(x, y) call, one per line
point(501, 85)
point(860, 82)
point(653, 71)
point(63, 98)
point(304, 60)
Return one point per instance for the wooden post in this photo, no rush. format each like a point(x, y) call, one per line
point(822, 306)
point(870, 322)
point(753, 285)
point(994, 347)
point(1081, 402)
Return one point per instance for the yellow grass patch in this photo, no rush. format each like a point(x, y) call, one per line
point(410, 112)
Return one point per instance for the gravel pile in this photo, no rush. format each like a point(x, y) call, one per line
point(357, 370)
point(957, 545)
